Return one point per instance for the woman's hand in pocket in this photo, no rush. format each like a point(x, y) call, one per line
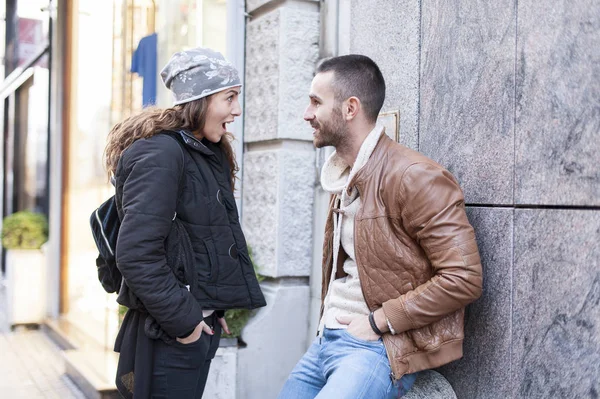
point(195, 336)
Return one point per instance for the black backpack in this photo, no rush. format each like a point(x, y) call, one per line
point(105, 224)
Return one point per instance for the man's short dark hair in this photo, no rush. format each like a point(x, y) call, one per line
point(358, 76)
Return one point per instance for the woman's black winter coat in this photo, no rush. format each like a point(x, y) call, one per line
point(175, 175)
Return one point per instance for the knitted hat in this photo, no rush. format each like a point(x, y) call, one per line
point(197, 73)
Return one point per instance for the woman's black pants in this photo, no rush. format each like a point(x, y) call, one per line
point(180, 370)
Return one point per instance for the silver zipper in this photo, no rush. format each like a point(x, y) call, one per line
point(103, 235)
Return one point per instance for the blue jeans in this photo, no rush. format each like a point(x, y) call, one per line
point(341, 366)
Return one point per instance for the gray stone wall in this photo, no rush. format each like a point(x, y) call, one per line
point(282, 47)
point(506, 96)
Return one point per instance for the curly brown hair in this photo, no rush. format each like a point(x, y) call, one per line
point(152, 120)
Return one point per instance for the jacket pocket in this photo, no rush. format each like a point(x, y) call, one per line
point(213, 259)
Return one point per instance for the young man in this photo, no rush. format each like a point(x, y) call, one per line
point(400, 261)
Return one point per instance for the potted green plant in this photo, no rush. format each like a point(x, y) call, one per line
point(23, 234)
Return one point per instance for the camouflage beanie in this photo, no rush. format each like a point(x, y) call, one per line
point(198, 73)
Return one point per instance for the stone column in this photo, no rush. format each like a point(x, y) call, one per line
point(282, 46)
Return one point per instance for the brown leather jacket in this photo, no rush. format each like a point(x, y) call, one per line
point(416, 255)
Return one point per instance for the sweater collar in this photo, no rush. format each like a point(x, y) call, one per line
point(336, 173)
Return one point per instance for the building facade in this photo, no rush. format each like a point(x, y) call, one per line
point(506, 97)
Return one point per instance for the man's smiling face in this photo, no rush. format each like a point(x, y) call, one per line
point(324, 113)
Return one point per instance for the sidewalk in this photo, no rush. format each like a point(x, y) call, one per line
point(31, 365)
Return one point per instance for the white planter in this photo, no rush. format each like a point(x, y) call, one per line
point(25, 286)
point(222, 377)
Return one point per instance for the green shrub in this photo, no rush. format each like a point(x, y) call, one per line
point(122, 312)
point(259, 277)
point(24, 230)
point(236, 321)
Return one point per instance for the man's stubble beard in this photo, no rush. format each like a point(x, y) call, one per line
point(334, 132)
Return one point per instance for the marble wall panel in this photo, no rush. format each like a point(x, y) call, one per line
point(556, 304)
point(388, 32)
point(484, 370)
point(558, 103)
point(467, 94)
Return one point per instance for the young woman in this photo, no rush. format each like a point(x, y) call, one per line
point(180, 249)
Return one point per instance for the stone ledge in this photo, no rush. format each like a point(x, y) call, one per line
point(85, 369)
point(87, 363)
point(254, 5)
point(431, 385)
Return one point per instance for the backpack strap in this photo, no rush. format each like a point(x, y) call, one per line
point(182, 176)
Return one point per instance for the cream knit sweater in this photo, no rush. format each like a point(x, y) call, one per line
point(345, 297)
